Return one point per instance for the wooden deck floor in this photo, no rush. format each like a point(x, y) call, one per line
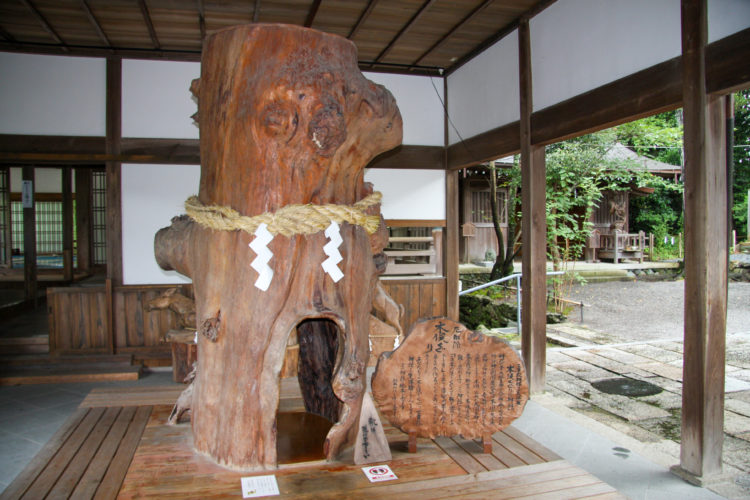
point(117, 445)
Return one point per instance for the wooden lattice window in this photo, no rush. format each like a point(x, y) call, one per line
point(99, 217)
point(481, 208)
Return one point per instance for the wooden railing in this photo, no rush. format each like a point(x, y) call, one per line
point(416, 261)
point(619, 245)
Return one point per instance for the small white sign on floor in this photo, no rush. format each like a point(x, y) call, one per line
point(259, 486)
point(377, 473)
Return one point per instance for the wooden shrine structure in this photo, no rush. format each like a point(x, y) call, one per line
point(431, 48)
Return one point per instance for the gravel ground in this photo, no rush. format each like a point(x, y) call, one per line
point(641, 310)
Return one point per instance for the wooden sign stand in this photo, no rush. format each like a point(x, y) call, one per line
point(446, 380)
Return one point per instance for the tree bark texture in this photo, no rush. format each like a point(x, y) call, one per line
point(285, 117)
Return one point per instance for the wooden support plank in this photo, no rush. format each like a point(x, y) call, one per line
point(705, 257)
point(488, 461)
point(7, 222)
point(534, 312)
point(64, 486)
point(67, 222)
point(459, 455)
point(110, 484)
point(26, 478)
point(29, 240)
point(94, 474)
point(56, 466)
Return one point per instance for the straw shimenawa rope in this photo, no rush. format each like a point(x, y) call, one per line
point(288, 220)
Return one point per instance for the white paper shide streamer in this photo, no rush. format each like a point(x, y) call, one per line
point(331, 249)
point(260, 246)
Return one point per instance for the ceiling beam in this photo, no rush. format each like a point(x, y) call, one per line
point(536, 9)
point(95, 23)
point(256, 11)
point(312, 13)
point(426, 5)
point(149, 24)
point(362, 18)
point(457, 27)
point(202, 19)
point(46, 25)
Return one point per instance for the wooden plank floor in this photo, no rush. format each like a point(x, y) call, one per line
point(88, 456)
point(112, 447)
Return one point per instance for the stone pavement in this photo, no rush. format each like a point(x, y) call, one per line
point(652, 421)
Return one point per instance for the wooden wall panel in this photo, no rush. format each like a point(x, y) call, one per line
point(421, 298)
point(77, 320)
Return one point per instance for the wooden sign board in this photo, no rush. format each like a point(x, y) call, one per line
point(469, 230)
point(446, 380)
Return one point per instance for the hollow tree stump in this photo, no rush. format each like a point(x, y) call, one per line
point(285, 118)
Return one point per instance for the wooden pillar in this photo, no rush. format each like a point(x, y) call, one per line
point(705, 258)
point(67, 222)
point(533, 199)
point(7, 237)
point(83, 218)
point(29, 235)
point(114, 179)
point(114, 194)
point(451, 225)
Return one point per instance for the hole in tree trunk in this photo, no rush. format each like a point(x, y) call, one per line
point(301, 435)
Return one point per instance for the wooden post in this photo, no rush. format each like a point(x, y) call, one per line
point(705, 258)
point(29, 236)
point(7, 237)
point(83, 218)
point(533, 199)
point(451, 224)
point(114, 174)
point(67, 222)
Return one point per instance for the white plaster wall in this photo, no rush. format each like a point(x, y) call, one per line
point(483, 94)
point(579, 45)
point(46, 180)
point(409, 194)
point(726, 17)
point(420, 104)
point(151, 196)
point(156, 99)
point(52, 95)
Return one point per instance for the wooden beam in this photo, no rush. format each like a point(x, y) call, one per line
point(95, 51)
point(362, 18)
point(67, 222)
point(411, 157)
point(452, 221)
point(706, 250)
point(113, 168)
point(45, 24)
point(95, 23)
point(149, 24)
point(426, 5)
point(311, 13)
point(474, 13)
point(652, 90)
point(29, 240)
point(7, 36)
point(83, 218)
point(533, 199)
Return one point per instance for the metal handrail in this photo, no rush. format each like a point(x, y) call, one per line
point(517, 277)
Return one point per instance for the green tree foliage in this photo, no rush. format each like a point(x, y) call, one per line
point(741, 161)
point(658, 136)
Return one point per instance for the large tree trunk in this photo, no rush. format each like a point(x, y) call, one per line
point(286, 118)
